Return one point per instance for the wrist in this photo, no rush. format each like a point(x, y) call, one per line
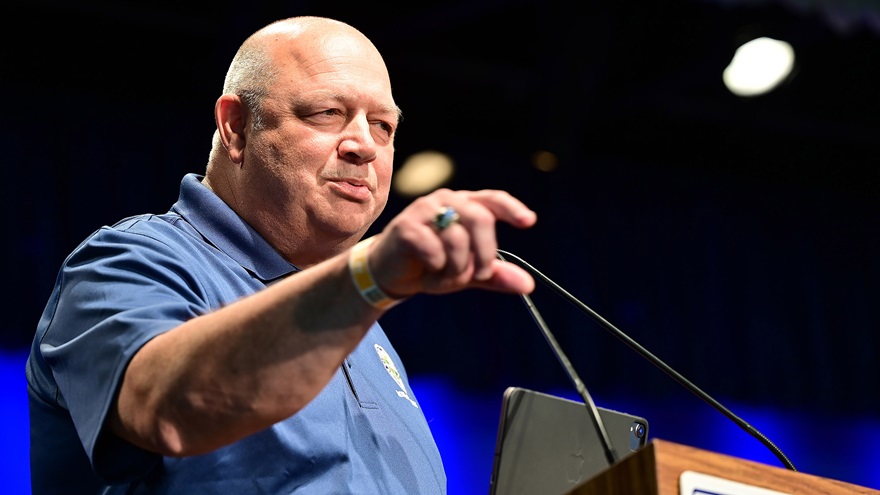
point(364, 283)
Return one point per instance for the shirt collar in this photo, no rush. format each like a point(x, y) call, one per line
point(222, 227)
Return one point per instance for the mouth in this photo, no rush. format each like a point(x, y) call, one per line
point(353, 182)
point(352, 188)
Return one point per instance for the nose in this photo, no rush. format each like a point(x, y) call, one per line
point(358, 144)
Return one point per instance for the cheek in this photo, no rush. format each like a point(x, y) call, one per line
point(290, 144)
point(384, 172)
point(383, 176)
point(293, 165)
point(281, 178)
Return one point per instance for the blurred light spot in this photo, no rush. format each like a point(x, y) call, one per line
point(545, 161)
point(759, 66)
point(423, 172)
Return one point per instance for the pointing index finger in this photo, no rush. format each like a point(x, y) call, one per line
point(505, 207)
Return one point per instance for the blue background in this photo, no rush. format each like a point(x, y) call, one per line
point(736, 239)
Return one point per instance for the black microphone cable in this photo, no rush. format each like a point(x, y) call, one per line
point(654, 360)
point(596, 419)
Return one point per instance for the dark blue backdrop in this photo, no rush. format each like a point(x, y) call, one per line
point(736, 240)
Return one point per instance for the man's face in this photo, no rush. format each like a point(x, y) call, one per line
point(319, 166)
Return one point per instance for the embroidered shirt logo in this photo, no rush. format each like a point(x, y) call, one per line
point(392, 370)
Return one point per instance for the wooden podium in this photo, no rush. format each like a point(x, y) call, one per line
point(656, 469)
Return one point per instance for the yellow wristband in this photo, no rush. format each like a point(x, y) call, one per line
point(363, 279)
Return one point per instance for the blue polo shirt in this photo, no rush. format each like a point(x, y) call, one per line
point(125, 284)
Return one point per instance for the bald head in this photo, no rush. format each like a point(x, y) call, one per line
point(262, 56)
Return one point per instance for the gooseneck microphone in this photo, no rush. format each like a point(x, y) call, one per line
point(598, 424)
point(751, 430)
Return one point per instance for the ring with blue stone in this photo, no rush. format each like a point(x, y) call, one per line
point(445, 217)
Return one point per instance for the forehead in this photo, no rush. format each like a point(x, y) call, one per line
point(337, 65)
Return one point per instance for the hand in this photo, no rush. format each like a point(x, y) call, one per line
point(413, 255)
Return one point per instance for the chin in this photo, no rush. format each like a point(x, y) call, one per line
point(350, 224)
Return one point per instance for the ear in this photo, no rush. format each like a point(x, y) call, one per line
point(230, 114)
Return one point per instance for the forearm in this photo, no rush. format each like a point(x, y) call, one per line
point(242, 368)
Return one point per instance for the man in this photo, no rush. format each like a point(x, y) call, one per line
point(231, 344)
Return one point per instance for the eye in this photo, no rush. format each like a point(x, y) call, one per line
point(383, 131)
point(324, 116)
point(387, 128)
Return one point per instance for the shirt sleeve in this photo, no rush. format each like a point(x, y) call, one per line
point(118, 289)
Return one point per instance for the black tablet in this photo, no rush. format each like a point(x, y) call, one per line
point(549, 445)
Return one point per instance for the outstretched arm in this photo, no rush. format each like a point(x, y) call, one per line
point(225, 375)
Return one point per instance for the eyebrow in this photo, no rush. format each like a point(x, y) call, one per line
point(342, 97)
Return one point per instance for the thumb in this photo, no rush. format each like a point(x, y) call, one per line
point(507, 277)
